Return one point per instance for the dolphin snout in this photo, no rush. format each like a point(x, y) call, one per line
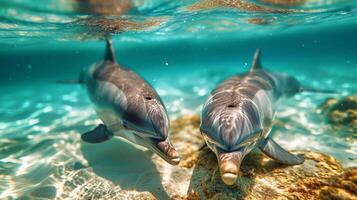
point(229, 164)
point(167, 151)
point(229, 172)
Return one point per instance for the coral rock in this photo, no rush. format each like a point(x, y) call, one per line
point(343, 187)
point(341, 113)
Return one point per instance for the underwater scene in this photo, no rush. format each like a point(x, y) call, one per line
point(178, 99)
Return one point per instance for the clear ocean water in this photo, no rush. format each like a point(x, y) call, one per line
point(184, 49)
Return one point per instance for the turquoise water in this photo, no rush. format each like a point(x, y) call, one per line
point(183, 52)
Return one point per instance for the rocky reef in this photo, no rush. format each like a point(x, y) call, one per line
point(342, 187)
point(128, 172)
point(341, 113)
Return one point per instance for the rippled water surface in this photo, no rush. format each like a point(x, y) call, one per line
point(164, 20)
point(184, 49)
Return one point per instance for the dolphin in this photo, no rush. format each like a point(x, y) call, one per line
point(128, 107)
point(238, 116)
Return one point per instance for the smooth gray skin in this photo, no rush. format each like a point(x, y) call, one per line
point(238, 117)
point(128, 106)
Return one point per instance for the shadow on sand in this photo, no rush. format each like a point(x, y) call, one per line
point(124, 165)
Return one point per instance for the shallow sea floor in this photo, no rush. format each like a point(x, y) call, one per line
point(41, 123)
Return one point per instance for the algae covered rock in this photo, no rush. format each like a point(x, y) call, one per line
point(343, 187)
point(262, 178)
point(341, 113)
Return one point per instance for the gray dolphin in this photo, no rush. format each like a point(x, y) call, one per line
point(238, 117)
point(128, 106)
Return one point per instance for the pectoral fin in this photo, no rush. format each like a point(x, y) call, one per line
point(97, 135)
point(276, 152)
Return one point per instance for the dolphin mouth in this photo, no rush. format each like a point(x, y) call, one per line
point(229, 178)
point(165, 150)
point(229, 164)
point(162, 148)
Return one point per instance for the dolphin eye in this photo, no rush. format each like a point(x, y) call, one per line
point(248, 141)
point(124, 125)
point(212, 143)
point(242, 146)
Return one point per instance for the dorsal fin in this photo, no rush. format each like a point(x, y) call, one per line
point(256, 62)
point(109, 51)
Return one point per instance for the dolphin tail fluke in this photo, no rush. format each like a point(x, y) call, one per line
point(97, 135)
point(109, 51)
point(256, 64)
point(276, 152)
point(306, 89)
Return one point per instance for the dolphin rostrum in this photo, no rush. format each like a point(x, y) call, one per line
point(238, 117)
point(128, 107)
